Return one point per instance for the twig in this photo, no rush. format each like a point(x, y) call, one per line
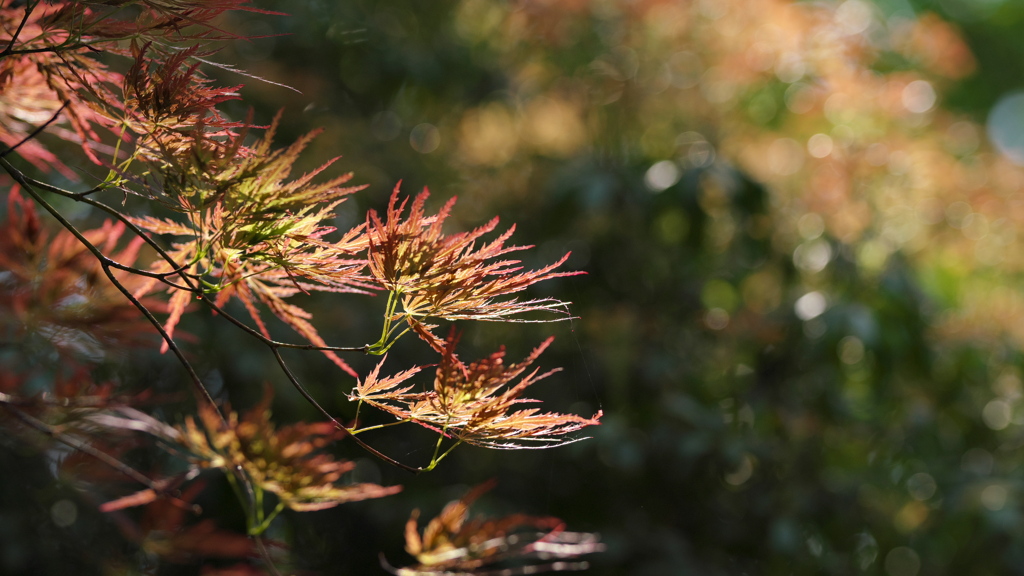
point(29, 8)
point(197, 382)
point(309, 397)
point(37, 131)
point(179, 270)
point(100, 455)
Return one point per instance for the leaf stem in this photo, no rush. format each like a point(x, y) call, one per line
point(378, 426)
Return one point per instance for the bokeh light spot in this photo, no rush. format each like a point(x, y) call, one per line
point(425, 138)
point(812, 256)
point(819, 145)
point(911, 516)
point(661, 175)
point(799, 98)
point(956, 213)
point(699, 152)
point(684, 69)
point(921, 486)
point(64, 513)
point(719, 294)
point(853, 16)
point(902, 561)
point(918, 96)
point(810, 226)
point(993, 497)
point(742, 473)
point(1006, 127)
point(810, 305)
point(488, 135)
point(790, 67)
point(716, 319)
point(997, 414)
point(851, 350)
point(867, 550)
point(672, 226)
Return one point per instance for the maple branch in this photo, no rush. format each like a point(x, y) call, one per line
point(274, 343)
point(435, 459)
point(36, 132)
point(45, 400)
point(106, 264)
point(179, 269)
point(29, 8)
point(56, 49)
point(309, 397)
point(100, 455)
point(354, 431)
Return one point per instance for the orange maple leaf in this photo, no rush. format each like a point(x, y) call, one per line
point(476, 404)
point(286, 461)
point(454, 545)
point(254, 235)
point(447, 276)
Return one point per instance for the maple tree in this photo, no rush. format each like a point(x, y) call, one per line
point(207, 218)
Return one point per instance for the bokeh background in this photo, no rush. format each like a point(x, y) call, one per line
point(801, 224)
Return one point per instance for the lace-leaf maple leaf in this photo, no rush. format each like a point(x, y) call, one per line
point(476, 404)
point(167, 93)
point(54, 288)
point(452, 544)
point(43, 86)
point(253, 235)
point(447, 276)
point(286, 461)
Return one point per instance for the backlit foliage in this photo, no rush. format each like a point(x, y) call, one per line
point(282, 461)
point(52, 288)
point(203, 212)
point(475, 403)
point(434, 275)
point(253, 236)
point(455, 544)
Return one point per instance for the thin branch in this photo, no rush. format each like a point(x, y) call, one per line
point(266, 555)
point(29, 8)
point(105, 265)
point(54, 49)
point(309, 397)
point(179, 270)
point(274, 343)
point(44, 400)
point(37, 131)
point(100, 455)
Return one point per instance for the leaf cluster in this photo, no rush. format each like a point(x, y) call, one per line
point(286, 461)
point(224, 218)
point(452, 543)
point(475, 403)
